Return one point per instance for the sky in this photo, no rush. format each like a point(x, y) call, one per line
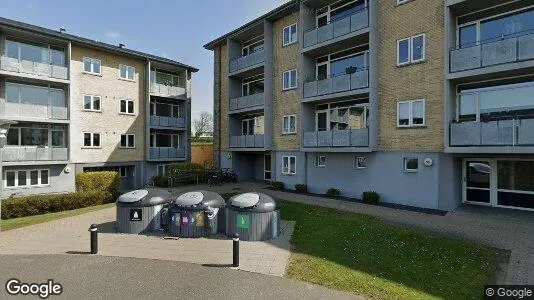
point(174, 29)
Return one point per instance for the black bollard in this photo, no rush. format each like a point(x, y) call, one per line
point(94, 239)
point(235, 263)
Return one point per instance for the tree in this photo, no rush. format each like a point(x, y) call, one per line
point(203, 124)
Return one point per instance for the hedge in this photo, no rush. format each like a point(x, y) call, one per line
point(106, 181)
point(42, 204)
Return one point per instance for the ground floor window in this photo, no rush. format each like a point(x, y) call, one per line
point(26, 178)
point(289, 165)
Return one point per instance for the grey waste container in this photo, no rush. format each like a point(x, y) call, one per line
point(254, 216)
point(140, 210)
point(195, 214)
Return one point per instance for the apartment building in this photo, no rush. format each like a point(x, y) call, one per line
point(83, 105)
point(425, 102)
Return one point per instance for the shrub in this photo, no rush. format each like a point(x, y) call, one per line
point(301, 188)
point(106, 181)
point(371, 197)
point(277, 185)
point(333, 193)
point(41, 204)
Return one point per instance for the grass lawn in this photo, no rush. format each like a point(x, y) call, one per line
point(31, 220)
point(360, 254)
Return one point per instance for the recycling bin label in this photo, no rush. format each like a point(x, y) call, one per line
point(136, 214)
point(243, 221)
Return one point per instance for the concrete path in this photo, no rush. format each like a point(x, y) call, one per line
point(70, 235)
point(506, 229)
point(100, 277)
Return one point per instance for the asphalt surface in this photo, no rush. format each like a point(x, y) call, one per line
point(98, 277)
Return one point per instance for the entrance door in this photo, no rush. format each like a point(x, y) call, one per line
point(477, 181)
point(267, 167)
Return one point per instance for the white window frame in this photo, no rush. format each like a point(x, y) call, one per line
point(289, 29)
point(92, 140)
point(288, 130)
point(410, 118)
point(405, 163)
point(92, 66)
point(28, 179)
point(410, 40)
point(126, 112)
point(129, 69)
point(357, 162)
point(290, 87)
point(320, 160)
point(92, 103)
point(128, 137)
point(164, 167)
point(288, 170)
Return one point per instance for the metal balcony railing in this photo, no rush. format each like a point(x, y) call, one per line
point(255, 100)
point(33, 68)
point(243, 62)
point(508, 49)
point(247, 141)
point(337, 83)
point(358, 20)
point(33, 153)
point(337, 138)
point(512, 132)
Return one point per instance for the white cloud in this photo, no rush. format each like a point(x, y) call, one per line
point(113, 34)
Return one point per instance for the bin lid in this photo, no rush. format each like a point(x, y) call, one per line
point(199, 200)
point(255, 202)
point(142, 198)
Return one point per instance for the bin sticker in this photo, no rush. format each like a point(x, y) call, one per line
point(136, 214)
point(243, 221)
point(200, 219)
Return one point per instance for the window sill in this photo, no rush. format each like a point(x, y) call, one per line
point(126, 79)
point(92, 110)
point(126, 114)
point(289, 44)
point(411, 63)
point(91, 73)
point(289, 89)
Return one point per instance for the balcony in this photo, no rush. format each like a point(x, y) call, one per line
point(515, 132)
point(245, 62)
point(33, 68)
point(247, 102)
point(337, 84)
point(26, 110)
point(247, 141)
point(167, 153)
point(167, 121)
point(33, 153)
point(337, 138)
point(491, 53)
point(337, 29)
point(163, 90)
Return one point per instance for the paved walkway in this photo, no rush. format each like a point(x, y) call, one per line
point(499, 228)
point(70, 235)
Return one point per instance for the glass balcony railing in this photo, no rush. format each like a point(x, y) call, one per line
point(357, 21)
point(255, 100)
point(337, 83)
point(508, 49)
point(337, 138)
point(243, 62)
point(247, 141)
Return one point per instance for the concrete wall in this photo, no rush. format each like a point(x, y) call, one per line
point(60, 181)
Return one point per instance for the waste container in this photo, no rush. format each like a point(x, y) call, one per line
point(140, 210)
point(195, 214)
point(254, 216)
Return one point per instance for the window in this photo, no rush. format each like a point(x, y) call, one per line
point(92, 65)
point(290, 34)
point(127, 107)
point(91, 140)
point(411, 113)
point(289, 124)
point(361, 162)
point(26, 178)
point(127, 72)
point(91, 102)
point(289, 165)
point(290, 79)
point(320, 161)
point(411, 50)
point(127, 140)
point(162, 169)
point(411, 164)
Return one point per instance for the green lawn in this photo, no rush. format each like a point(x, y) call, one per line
point(31, 220)
point(359, 254)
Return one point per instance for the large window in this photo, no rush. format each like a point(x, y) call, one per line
point(289, 124)
point(338, 11)
point(164, 78)
point(91, 102)
point(290, 34)
point(35, 52)
point(344, 62)
point(26, 178)
point(411, 113)
point(127, 140)
point(91, 140)
point(252, 85)
point(33, 134)
point(32, 94)
point(289, 79)
point(92, 65)
point(289, 165)
point(127, 107)
point(503, 102)
point(127, 72)
point(496, 28)
point(411, 49)
point(342, 116)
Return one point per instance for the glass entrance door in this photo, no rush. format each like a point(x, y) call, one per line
point(477, 181)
